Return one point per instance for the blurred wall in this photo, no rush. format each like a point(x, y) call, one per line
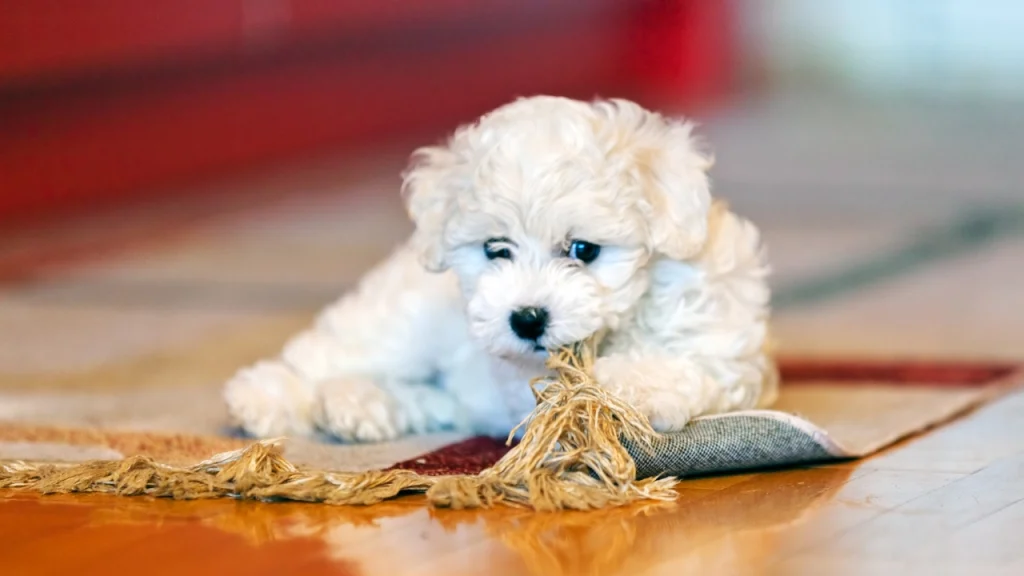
point(106, 101)
point(961, 49)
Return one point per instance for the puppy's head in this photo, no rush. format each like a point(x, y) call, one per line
point(548, 211)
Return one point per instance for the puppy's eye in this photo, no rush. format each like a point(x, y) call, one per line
point(496, 248)
point(583, 251)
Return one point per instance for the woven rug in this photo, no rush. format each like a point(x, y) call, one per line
point(826, 411)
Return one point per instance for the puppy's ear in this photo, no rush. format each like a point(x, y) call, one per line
point(673, 173)
point(429, 186)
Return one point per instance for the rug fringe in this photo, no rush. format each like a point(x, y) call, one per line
point(571, 457)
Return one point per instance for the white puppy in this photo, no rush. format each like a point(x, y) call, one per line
point(547, 221)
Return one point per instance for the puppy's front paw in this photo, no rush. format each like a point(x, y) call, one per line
point(269, 399)
point(357, 410)
point(651, 389)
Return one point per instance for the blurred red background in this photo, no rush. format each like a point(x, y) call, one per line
point(108, 101)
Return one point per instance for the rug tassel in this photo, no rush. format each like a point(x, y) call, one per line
point(571, 457)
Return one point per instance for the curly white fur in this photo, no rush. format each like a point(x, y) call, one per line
point(678, 290)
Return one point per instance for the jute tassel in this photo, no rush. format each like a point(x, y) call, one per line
point(570, 457)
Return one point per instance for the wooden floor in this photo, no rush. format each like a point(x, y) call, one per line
point(948, 502)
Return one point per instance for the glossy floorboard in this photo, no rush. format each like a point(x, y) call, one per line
point(948, 502)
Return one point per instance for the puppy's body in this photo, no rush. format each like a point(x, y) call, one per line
point(546, 222)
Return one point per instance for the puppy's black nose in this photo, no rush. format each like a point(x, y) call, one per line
point(529, 323)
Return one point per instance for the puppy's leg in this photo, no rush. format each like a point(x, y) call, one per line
point(670, 390)
point(269, 399)
point(363, 410)
point(340, 375)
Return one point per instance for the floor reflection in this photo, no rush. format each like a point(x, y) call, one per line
point(708, 528)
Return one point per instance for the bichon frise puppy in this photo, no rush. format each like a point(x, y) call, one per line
point(547, 221)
